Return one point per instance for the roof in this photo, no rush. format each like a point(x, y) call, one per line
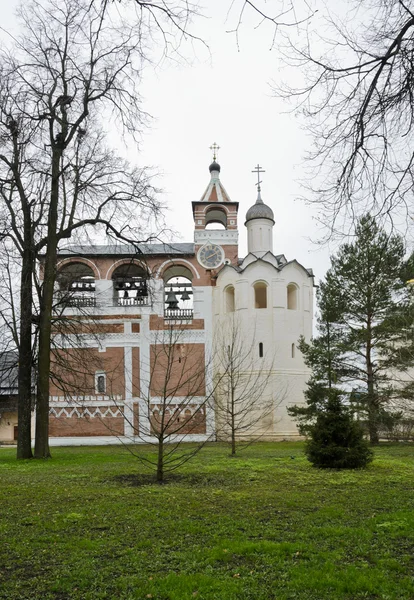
point(215, 191)
point(127, 249)
point(259, 210)
point(8, 372)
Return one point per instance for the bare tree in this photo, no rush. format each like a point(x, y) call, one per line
point(287, 14)
point(175, 396)
point(246, 394)
point(358, 102)
point(76, 63)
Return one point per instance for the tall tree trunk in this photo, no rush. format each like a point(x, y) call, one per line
point(371, 398)
point(160, 461)
point(24, 405)
point(46, 304)
point(233, 425)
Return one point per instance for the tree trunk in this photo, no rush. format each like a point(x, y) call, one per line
point(160, 462)
point(371, 399)
point(24, 404)
point(233, 425)
point(373, 424)
point(46, 305)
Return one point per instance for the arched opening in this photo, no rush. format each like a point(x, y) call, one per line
point(260, 295)
point(215, 226)
point(216, 218)
point(100, 382)
point(76, 284)
point(260, 349)
point(178, 293)
point(229, 299)
point(293, 351)
point(130, 285)
point(292, 296)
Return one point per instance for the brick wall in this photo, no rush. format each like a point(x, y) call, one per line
point(73, 371)
point(83, 424)
point(160, 324)
point(177, 370)
point(178, 418)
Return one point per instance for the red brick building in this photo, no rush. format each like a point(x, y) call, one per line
point(134, 349)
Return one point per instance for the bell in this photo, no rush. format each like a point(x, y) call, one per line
point(185, 295)
point(171, 300)
point(125, 294)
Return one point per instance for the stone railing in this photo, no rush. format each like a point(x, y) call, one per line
point(179, 314)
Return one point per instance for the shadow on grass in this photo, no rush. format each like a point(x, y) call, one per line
point(186, 479)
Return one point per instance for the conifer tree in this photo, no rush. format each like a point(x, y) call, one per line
point(322, 355)
point(336, 440)
point(365, 327)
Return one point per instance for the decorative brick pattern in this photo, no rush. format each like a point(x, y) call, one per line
point(181, 419)
point(86, 421)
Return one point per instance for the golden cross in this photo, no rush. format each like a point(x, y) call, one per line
point(214, 148)
point(258, 169)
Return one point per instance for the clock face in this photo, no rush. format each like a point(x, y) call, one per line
point(210, 256)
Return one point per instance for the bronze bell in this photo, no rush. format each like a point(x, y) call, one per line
point(171, 300)
point(185, 295)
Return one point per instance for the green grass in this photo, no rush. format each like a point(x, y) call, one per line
point(261, 526)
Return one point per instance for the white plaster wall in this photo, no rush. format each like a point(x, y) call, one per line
point(260, 236)
point(276, 327)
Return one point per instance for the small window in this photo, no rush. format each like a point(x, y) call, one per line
point(292, 297)
point(229, 299)
point(260, 350)
point(293, 351)
point(260, 295)
point(100, 383)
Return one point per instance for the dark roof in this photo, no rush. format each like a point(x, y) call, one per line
point(8, 372)
point(128, 250)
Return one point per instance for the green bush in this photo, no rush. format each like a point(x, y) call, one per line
point(336, 440)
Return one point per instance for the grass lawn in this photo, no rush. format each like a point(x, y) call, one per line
point(265, 525)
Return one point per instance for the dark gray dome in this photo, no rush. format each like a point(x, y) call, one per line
point(260, 210)
point(214, 167)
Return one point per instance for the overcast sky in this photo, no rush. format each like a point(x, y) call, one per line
point(224, 95)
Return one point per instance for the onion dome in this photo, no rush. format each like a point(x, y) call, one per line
point(260, 210)
point(214, 167)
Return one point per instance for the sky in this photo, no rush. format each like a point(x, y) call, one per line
point(224, 94)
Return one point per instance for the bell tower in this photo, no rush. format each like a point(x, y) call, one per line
point(215, 216)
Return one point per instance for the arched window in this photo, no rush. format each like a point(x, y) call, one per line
point(229, 299)
point(216, 218)
point(292, 296)
point(76, 282)
point(260, 295)
point(130, 285)
point(293, 351)
point(260, 349)
point(100, 382)
point(178, 292)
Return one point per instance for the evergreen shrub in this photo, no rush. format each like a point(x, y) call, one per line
point(336, 440)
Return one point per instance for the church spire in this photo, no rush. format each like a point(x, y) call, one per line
point(214, 168)
point(259, 222)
